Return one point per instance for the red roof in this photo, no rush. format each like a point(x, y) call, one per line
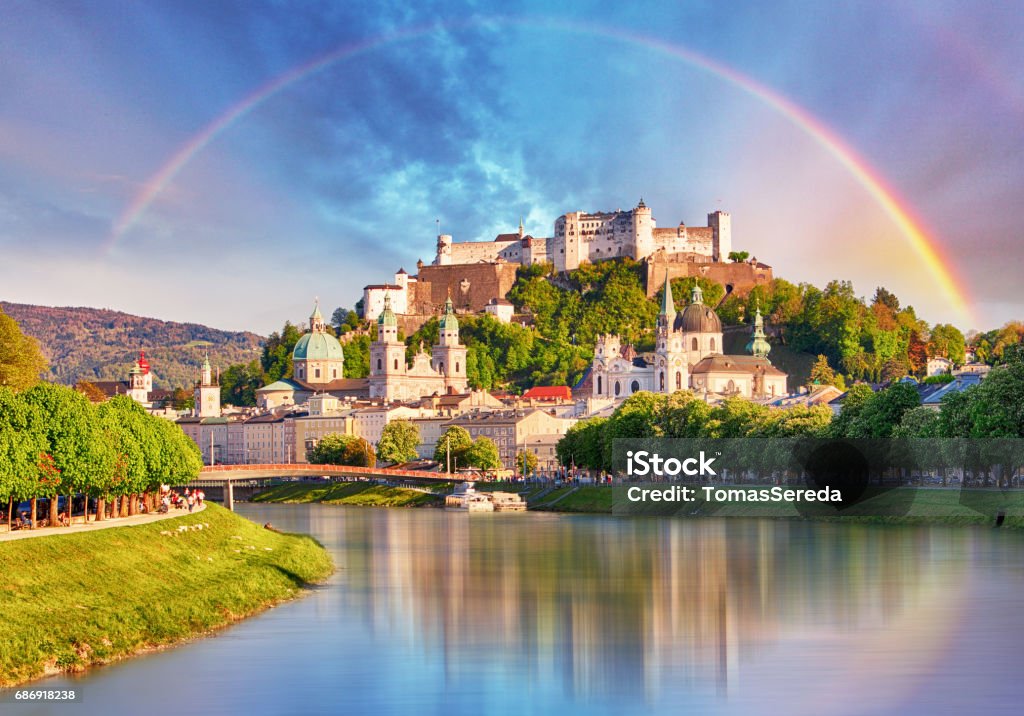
point(549, 392)
point(143, 363)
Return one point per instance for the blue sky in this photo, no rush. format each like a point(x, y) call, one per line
point(476, 114)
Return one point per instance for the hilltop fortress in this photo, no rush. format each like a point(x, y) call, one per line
point(478, 274)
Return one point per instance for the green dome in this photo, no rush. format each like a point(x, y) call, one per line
point(318, 346)
point(448, 321)
point(387, 316)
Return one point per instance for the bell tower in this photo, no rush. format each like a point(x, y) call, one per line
point(448, 356)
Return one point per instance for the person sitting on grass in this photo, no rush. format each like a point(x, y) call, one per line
point(63, 520)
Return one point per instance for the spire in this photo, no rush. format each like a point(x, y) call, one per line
point(448, 320)
point(758, 345)
point(667, 317)
point(667, 303)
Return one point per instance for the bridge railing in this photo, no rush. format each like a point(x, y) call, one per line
point(332, 470)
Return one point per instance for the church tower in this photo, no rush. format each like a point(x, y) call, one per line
point(206, 397)
point(758, 345)
point(387, 354)
point(670, 369)
point(137, 384)
point(448, 355)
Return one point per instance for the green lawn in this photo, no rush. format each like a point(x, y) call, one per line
point(348, 493)
point(73, 600)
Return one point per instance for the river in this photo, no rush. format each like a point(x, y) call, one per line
point(435, 612)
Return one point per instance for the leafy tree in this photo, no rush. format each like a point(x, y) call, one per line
point(526, 462)
point(454, 443)
point(21, 362)
point(340, 317)
point(90, 391)
point(739, 256)
point(238, 386)
point(919, 422)
point(182, 399)
point(337, 449)
point(22, 443)
point(684, 415)
point(852, 406)
point(583, 445)
point(483, 454)
point(398, 442)
point(947, 341)
point(997, 404)
point(883, 412)
point(357, 356)
point(822, 374)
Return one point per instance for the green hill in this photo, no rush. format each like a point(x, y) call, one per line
point(98, 344)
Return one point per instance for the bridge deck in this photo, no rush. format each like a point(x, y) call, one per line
point(235, 473)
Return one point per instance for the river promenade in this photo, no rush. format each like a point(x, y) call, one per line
point(94, 526)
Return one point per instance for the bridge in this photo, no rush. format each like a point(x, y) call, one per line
point(228, 476)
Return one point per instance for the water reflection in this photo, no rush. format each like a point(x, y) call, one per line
point(454, 613)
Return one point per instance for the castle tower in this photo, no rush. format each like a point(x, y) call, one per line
point(387, 355)
point(448, 356)
point(206, 396)
point(758, 345)
point(721, 235)
point(444, 250)
point(643, 231)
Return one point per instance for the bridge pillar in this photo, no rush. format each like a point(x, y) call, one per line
point(229, 495)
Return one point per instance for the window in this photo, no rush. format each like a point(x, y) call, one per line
point(731, 386)
point(334, 372)
point(316, 372)
point(598, 385)
point(712, 345)
point(634, 386)
point(379, 366)
point(679, 380)
point(618, 388)
point(661, 384)
point(457, 365)
point(693, 344)
point(440, 367)
point(396, 364)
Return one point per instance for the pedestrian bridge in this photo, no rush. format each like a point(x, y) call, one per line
point(229, 476)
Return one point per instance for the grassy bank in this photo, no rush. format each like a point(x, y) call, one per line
point(75, 600)
point(366, 494)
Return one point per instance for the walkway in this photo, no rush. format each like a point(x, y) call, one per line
point(94, 526)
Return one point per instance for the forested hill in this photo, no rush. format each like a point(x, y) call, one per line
point(98, 344)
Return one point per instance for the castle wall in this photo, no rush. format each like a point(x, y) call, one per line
point(472, 286)
point(471, 252)
point(741, 276)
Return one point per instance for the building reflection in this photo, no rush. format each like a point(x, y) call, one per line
point(622, 606)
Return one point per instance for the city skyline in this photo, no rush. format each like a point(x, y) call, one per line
point(165, 160)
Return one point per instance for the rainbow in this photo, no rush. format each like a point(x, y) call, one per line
point(925, 246)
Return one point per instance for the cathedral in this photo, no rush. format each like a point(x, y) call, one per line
point(318, 362)
point(442, 371)
point(688, 354)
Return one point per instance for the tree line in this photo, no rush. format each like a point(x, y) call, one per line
point(992, 409)
point(54, 442)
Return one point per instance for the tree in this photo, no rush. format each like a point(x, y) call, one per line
point(22, 443)
point(21, 362)
point(883, 412)
point(339, 317)
point(90, 391)
point(822, 374)
point(583, 445)
point(182, 399)
point(238, 385)
point(739, 256)
point(453, 443)
point(947, 341)
point(997, 409)
point(338, 449)
point(852, 405)
point(398, 442)
point(526, 463)
point(483, 454)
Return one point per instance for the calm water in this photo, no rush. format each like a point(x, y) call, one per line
point(435, 612)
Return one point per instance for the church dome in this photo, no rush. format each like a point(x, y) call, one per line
point(318, 346)
point(698, 318)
